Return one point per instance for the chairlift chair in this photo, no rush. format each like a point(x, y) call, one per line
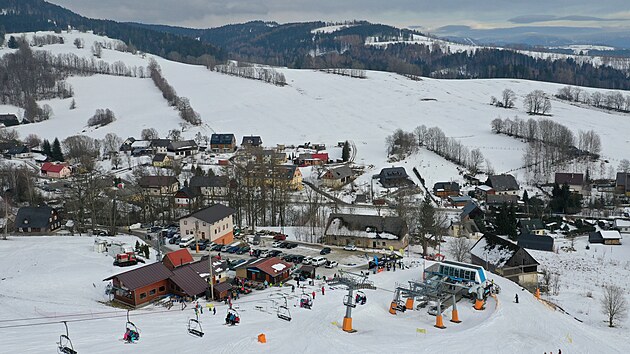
point(64, 346)
point(132, 333)
point(362, 298)
point(232, 318)
point(306, 301)
point(194, 327)
point(284, 313)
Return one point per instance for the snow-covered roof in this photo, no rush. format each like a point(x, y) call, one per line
point(366, 226)
point(484, 188)
point(610, 235)
point(622, 223)
point(278, 267)
point(497, 252)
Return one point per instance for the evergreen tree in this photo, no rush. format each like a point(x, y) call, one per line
point(345, 152)
point(506, 221)
point(13, 43)
point(525, 197)
point(46, 149)
point(57, 155)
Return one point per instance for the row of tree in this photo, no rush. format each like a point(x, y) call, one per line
point(354, 73)
point(186, 112)
point(268, 75)
point(101, 118)
point(613, 100)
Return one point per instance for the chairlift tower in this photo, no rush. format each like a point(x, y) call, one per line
point(354, 282)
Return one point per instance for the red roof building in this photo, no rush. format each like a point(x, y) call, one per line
point(55, 170)
point(177, 258)
point(273, 270)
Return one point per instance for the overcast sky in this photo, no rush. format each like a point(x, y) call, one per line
point(403, 13)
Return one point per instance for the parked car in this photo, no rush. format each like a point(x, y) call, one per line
point(276, 244)
point(331, 264)
point(284, 244)
point(298, 258)
point(264, 254)
point(319, 261)
point(217, 247)
point(288, 257)
point(292, 245)
point(233, 249)
point(350, 247)
point(243, 249)
point(280, 237)
point(325, 250)
point(307, 260)
point(175, 239)
point(274, 253)
point(256, 252)
point(186, 241)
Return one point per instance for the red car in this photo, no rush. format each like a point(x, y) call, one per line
point(280, 237)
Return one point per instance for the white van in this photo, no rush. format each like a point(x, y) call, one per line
point(318, 261)
point(186, 241)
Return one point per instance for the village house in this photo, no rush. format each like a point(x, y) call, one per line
point(19, 152)
point(211, 187)
point(446, 189)
point(312, 159)
point(186, 197)
point(610, 237)
point(622, 183)
point(503, 184)
point(8, 120)
point(159, 185)
point(497, 200)
point(177, 274)
point(37, 220)
point(391, 177)
point(532, 227)
point(575, 181)
point(180, 149)
point(222, 143)
point(466, 228)
point(536, 242)
point(292, 175)
point(337, 177)
point(273, 270)
point(482, 191)
point(623, 226)
point(213, 223)
point(159, 146)
point(471, 211)
point(368, 231)
point(503, 257)
point(275, 175)
point(55, 170)
point(269, 156)
point(126, 144)
point(162, 160)
point(251, 141)
point(459, 201)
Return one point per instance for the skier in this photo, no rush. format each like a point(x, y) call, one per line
point(516, 298)
point(292, 288)
point(322, 290)
point(313, 295)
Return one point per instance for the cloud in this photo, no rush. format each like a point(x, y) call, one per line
point(429, 13)
point(548, 18)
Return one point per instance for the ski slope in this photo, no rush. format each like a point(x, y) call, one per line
point(64, 283)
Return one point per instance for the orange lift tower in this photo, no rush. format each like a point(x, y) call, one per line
point(354, 282)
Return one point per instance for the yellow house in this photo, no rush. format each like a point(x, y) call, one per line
point(276, 175)
point(162, 160)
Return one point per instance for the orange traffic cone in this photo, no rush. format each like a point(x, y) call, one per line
point(439, 322)
point(479, 305)
point(409, 303)
point(262, 338)
point(455, 316)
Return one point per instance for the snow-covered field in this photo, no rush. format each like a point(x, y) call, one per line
point(61, 279)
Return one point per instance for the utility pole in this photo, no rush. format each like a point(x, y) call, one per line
point(211, 276)
point(6, 216)
point(197, 236)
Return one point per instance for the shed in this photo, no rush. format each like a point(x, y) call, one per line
point(610, 237)
point(536, 242)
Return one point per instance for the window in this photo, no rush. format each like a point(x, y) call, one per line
point(185, 222)
point(162, 289)
point(143, 295)
point(203, 234)
point(383, 243)
point(152, 292)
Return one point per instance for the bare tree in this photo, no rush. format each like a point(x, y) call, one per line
point(537, 103)
point(111, 143)
point(614, 304)
point(97, 50)
point(624, 166)
point(32, 140)
point(475, 161)
point(459, 249)
point(508, 97)
point(149, 134)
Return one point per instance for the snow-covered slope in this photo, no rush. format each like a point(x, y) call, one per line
point(319, 107)
point(64, 283)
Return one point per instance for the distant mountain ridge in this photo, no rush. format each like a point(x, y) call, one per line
point(39, 15)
